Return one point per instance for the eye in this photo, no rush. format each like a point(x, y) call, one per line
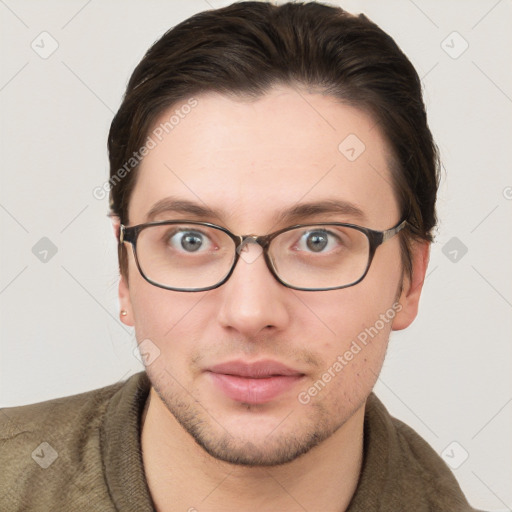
point(318, 240)
point(189, 240)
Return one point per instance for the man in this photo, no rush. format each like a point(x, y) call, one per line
point(273, 185)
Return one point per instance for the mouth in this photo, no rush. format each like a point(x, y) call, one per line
point(253, 383)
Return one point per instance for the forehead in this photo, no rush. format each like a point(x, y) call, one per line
point(249, 160)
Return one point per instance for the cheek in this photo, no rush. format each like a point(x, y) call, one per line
point(167, 328)
point(346, 314)
point(353, 353)
point(357, 322)
point(168, 319)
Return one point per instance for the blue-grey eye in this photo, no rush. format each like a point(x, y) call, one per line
point(317, 240)
point(189, 241)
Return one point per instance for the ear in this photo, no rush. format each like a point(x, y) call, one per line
point(412, 286)
point(116, 225)
point(124, 292)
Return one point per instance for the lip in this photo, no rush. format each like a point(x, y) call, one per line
point(254, 383)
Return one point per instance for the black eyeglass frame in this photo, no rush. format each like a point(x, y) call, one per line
point(375, 238)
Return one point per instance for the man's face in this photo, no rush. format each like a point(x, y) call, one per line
point(250, 161)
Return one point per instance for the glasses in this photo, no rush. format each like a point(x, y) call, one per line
point(192, 256)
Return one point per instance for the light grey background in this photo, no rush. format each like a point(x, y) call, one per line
point(448, 376)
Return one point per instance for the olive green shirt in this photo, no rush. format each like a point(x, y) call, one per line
point(83, 453)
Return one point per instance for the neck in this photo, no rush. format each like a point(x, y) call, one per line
point(182, 476)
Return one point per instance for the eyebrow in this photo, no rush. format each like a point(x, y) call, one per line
point(292, 215)
point(325, 207)
point(172, 205)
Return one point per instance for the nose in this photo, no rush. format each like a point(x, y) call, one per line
point(252, 299)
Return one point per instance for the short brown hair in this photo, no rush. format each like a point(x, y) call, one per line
point(246, 48)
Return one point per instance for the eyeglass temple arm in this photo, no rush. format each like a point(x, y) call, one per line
point(386, 235)
point(125, 234)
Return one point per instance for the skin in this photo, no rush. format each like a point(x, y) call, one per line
point(249, 160)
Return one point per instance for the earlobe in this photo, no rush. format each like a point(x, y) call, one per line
point(412, 286)
point(126, 313)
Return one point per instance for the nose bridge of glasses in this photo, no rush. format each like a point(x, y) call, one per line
point(245, 240)
point(243, 248)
